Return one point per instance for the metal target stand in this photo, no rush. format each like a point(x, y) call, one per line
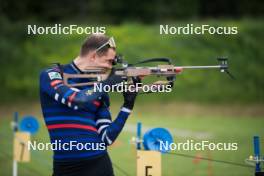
point(256, 160)
point(21, 134)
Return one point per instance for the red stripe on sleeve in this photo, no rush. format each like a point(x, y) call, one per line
point(55, 82)
point(96, 103)
point(72, 96)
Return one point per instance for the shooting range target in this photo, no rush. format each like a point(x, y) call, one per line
point(154, 137)
point(29, 124)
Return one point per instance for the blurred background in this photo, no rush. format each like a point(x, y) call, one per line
point(202, 102)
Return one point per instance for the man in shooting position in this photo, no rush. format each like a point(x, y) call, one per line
point(80, 116)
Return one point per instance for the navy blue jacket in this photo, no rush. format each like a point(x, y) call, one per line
point(75, 115)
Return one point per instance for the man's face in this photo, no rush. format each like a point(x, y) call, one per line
point(106, 60)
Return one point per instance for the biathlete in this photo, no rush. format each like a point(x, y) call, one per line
point(77, 118)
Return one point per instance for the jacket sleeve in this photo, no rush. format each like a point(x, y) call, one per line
point(109, 130)
point(51, 83)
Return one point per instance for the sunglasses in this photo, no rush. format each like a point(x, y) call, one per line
point(110, 43)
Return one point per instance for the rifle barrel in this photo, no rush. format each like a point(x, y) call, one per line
point(202, 67)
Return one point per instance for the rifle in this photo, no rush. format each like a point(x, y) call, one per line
point(129, 71)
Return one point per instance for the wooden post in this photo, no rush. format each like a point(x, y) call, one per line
point(148, 163)
point(21, 152)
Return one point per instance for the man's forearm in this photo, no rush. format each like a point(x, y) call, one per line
point(108, 130)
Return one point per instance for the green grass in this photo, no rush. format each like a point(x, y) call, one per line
point(222, 128)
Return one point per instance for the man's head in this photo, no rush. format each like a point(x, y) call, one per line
point(99, 51)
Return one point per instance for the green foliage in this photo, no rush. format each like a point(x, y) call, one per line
point(119, 11)
point(23, 56)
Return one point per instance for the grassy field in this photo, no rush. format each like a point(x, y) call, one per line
point(219, 124)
